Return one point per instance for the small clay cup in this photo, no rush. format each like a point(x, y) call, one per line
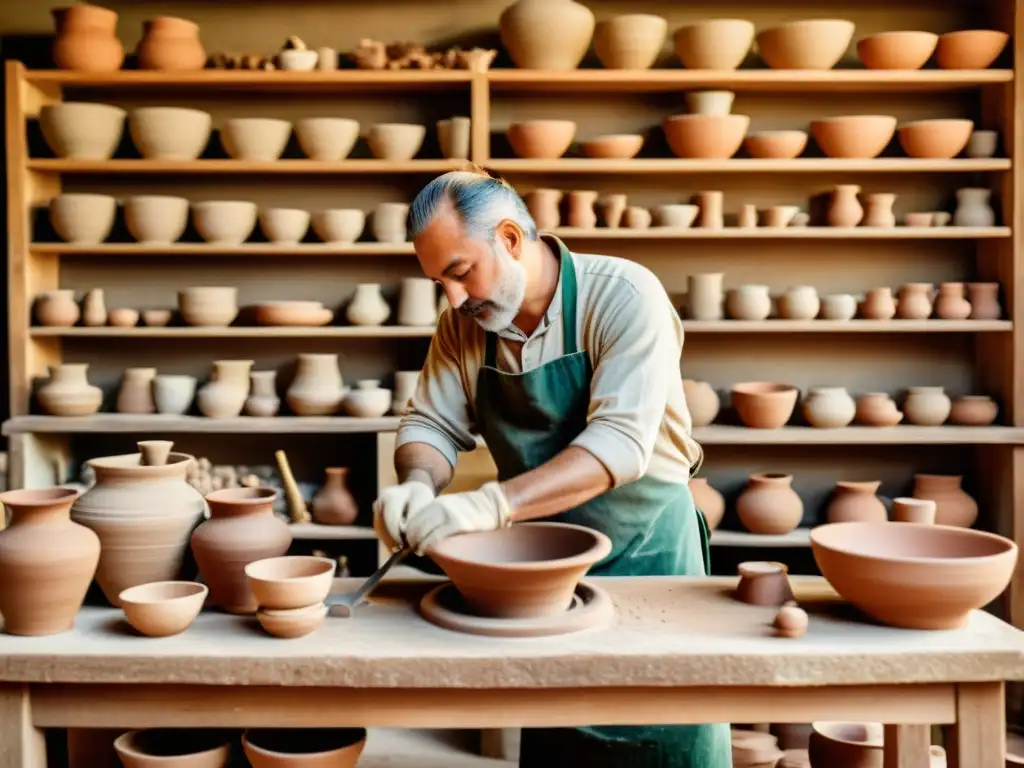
point(763, 583)
point(910, 510)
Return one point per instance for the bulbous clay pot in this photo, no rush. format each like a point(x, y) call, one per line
point(702, 401)
point(263, 400)
point(581, 212)
point(950, 303)
point(829, 407)
point(417, 302)
point(87, 39)
point(47, 562)
point(769, 505)
point(57, 308)
point(984, 299)
point(954, 505)
point(838, 306)
point(242, 529)
point(136, 392)
point(543, 206)
point(927, 406)
point(68, 392)
point(915, 301)
point(748, 302)
point(974, 208)
point(143, 515)
point(845, 209)
point(878, 304)
point(704, 296)
point(856, 502)
point(877, 409)
point(708, 501)
point(799, 302)
point(317, 389)
point(546, 34)
point(878, 210)
point(171, 44)
point(368, 305)
point(334, 503)
point(224, 396)
point(630, 41)
point(974, 411)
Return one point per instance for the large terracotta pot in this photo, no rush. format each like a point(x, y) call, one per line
point(242, 529)
point(955, 505)
point(769, 505)
point(333, 503)
point(87, 39)
point(143, 515)
point(46, 562)
point(857, 502)
point(171, 44)
point(547, 34)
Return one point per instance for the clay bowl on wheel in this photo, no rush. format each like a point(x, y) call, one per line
point(914, 575)
point(174, 748)
point(525, 571)
point(289, 582)
point(305, 747)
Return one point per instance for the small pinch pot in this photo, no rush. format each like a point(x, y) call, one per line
point(82, 130)
point(970, 48)
point(174, 748)
point(304, 747)
point(525, 571)
point(858, 745)
point(163, 608)
point(705, 137)
point(764, 404)
point(395, 141)
point(290, 582)
point(942, 138)
point(806, 44)
point(897, 50)
point(914, 575)
point(541, 139)
point(854, 136)
point(621, 146)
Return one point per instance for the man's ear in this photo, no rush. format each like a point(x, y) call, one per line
point(511, 235)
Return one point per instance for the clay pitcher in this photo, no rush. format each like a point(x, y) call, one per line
point(143, 515)
point(242, 529)
point(171, 44)
point(546, 34)
point(334, 503)
point(87, 39)
point(954, 506)
point(845, 209)
point(47, 562)
point(769, 505)
point(857, 502)
point(709, 501)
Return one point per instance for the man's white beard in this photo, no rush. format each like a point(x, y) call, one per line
point(504, 303)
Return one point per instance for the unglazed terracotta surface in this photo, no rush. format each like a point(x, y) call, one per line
point(970, 48)
point(714, 43)
point(763, 583)
point(850, 745)
point(546, 34)
point(936, 138)
point(905, 49)
point(334, 504)
point(304, 748)
point(174, 748)
point(630, 40)
point(87, 39)
point(290, 582)
point(171, 44)
point(854, 136)
point(163, 608)
point(769, 505)
point(708, 500)
point(955, 506)
point(806, 44)
point(68, 392)
point(294, 622)
point(856, 502)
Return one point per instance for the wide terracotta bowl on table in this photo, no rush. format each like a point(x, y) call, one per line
point(764, 404)
point(897, 50)
point(854, 136)
point(541, 139)
point(163, 608)
point(914, 575)
point(942, 138)
point(805, 44)
point(525, 571)
point(705, 137)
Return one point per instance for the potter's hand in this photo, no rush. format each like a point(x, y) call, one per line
point(485, 509)
point(396, 506)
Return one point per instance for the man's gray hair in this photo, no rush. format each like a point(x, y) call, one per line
point(482, 202)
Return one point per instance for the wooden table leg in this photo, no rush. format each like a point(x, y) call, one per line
point(978, 738)
point(907, 746)
point(21, 744)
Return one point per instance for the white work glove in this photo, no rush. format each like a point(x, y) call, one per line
point(485, 509)
point(395, 506)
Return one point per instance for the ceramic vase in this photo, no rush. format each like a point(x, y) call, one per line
point(612, 208)
point(262, 400)
point(711, 214)
point(47, 562)
point(909, 510)
point(747, 218)
point(334, 503)
point(173, 394)
point(878, 304)
point(171, 44)
point(709, 501)
point(749, 302)
point(94, 308)
point(927, 406)
point(405, 387)
point(829, 407)
point(974, 208)
point(368, 306)
point(799, 302)
point(845, 209)
point(915, 301)
point(143, 516)
point(546, 34)
point(769, 505)
point(705, 296)
point(417, 303)
point(954, 506)
point(87, 39)
point(856, 502)
point(974, 411)
point(950, 303)
point(57, 308)
point(877, 409)
point(318, 388)
point(136, 392)
point(388, 223)
point(68, 391)
point(224, 396)
point(242, 529)
point(702, 401)
point(984, 299)
point(543, 206)
point(878, 211)
point(581, 213)
point(453, 137)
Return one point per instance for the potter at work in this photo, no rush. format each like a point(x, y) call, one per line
point(566, 364)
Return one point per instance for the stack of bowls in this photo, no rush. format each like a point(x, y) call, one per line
point(291, 591)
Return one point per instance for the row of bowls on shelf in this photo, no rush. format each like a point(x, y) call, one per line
point(86, 218)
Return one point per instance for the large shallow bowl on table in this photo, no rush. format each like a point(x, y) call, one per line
point(525, 571)
point(914, 575)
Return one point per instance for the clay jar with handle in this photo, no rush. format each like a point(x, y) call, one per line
point(950, 303)
point(984, 299)
point(845, 209)
point(856, 502)
point(954, 506)
point(769, 505)
point(915, 301)
point(709, 501)
point(546, 34)
point(334, 503)
point(927, 406)
point(242, 529)
point(47, 562)
point(143, 516)
point(705, 297)
point(318, 388)
point(87, 39)
point(171, 44)
point(878, 304)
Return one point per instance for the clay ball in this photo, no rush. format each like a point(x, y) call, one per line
point(791, 621)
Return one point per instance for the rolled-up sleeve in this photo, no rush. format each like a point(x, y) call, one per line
point(439, 413)
point(639, 344)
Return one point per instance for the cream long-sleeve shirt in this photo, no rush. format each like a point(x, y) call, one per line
point(637, 422)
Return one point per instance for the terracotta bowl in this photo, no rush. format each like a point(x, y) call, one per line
point(720, 44)
point(156, 218)
point(174, 748)
point(705, 137)
point(225, 222)
point(327, 138)
point(293, 313)
point(806, 44)
point(395, 141)
point(83, 217)
point(297, 622)
point(303, 747)
point(974, 411)
point(123, 317)
point(169, 133)
point(970, 48)
point(615, 147)
point(212, 305)
point(764, 404)
point(525, 571)
point(935, 138)
point(897, 50)
point(775, 145)
point(854, 136)
point(163, 608)
point(82, 130)
point(339, 225)
point(914, 575)
point(841, 743)
point(289, 582)
point(156, 318)
point(256, 139)
point(541, 139)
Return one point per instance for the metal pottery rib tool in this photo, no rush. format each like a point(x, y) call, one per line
point(347, 602)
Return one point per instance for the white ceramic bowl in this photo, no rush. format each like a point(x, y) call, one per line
point(284, 225)
point(82, 130)
point(327, 138)
point(156, 218)
point(82, 217)
point(256, 139)
point(224, 222)
point(169, 133)
point(339, 225)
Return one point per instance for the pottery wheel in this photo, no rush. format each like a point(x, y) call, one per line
point(591, 607)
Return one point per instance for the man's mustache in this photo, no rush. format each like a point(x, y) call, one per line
point(473, 308)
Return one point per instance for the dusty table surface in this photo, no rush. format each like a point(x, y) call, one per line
point(668, 631)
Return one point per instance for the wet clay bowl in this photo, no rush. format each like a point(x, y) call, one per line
point(525, 571)
point(942, 138)
point(775, 145)
point(614, 147)
point(897, 50)
point(541, 139)
point(705, 137)
point(303, 747)
point(174, 748)
point(806, 44)
point(858, 745)
point(970, 48)
point(297, 313)
point(854, 136)
point(163, 608)
point(297, 622)
point(914, 575)
point(293, 581)
point(764, 404)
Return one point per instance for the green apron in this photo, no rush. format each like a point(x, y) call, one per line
point(526, 419)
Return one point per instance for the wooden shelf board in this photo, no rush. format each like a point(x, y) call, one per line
point(746, 165)
point(713, 435)
point(847, 326)
point(317, 532)
point(801, 537)
point(206, 249)
point(218, 166)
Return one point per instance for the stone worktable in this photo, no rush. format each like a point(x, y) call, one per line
point(679, 650)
